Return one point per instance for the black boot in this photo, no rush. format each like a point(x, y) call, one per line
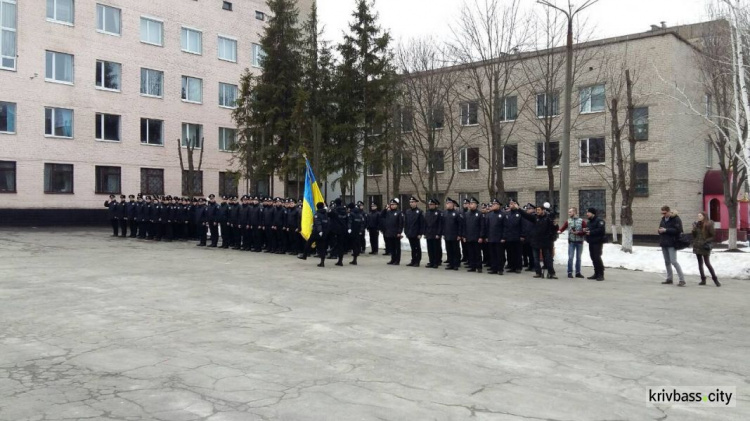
point(322, 263)
point(302, 256)
point(716, 281)
point(703, 280)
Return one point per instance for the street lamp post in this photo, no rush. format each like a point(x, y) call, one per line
point(569, 13)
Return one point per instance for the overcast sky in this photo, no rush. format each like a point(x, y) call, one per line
point(415, 18)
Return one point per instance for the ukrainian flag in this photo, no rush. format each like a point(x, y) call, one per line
point(311, 199)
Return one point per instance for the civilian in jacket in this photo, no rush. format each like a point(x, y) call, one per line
point(670, 229)
point(703, 236)
point(576, 235)
point(595, 233)
point(414, 230)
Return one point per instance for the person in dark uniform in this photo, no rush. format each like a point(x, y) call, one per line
point(170, 215)
point(292, 226)
point(356, 230)
point(383, 214)
point(255, 220)
point(414, 230)
point(473, 232)
point(495, 232)
point(484, 248)
point(465, 208)
point(234, 224)
point(122, 216)
point(373, 227)
point(268, 237)
point(222, 218)
point(526, 227)
point(160, 217)
point(362, 241)
point(321, 227)
point(433, 229)
point(201, 222)
point(452, 231)
point(112, 206)
point(393, 228)
point(141, 233)
point(131, 210)
point(212, 215)
point(595, 234)
point(542, 238)
point(339, 230)
point(148, 218)
point(512, 237)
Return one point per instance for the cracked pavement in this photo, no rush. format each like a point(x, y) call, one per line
point(101, 328)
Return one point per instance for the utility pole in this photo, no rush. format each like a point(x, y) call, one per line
point(570, 14)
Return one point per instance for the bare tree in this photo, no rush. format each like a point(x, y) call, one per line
point(190, 176)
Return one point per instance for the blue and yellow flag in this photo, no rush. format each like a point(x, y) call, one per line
point(312, 198)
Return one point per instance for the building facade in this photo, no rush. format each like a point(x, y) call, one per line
point(99, 97)
point(673, 152)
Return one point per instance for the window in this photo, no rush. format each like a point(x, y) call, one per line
point(510, 156)
point(61, 11)
point(438, 118)
point(152, 131)
point(152, 181)
point(709, 150)
point(192, 89)
point(107, 180)
point(541, 156)
point(407, 120)
point(374, 198)
point(152, 31)
point(227, 139)
point(7, 117)
point(152, 82)
point(108, 75)
point(257, 55)
point(108, 19)
point(228, 183)
point(7, 176)
point(640, 123)
point(260, 15)
point(227, 6)
point(8, 34)
point(708, 106)
point(469, 159)
point(641, 179)
point(592, 150)
point(403, 162)
point(58, 178)
point(438, 161)
point(547, 105)
point(596, 199)
point(592, 99)
point(192, 135)
point(375, 167)
point(197, 183)
point(59, 67)
point(227, 95)
point(543, 196)
point(508, 108)
point(227, 49)
point(469, 113)
point(107, 127)
point(58, 122)
point(191, 41)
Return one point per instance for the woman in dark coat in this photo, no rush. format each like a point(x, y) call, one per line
point(703, 236)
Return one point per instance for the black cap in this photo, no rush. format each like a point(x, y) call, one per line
point(337, 202)
point(225, 197)
point(211, 196)
point(360, 203)
point(434, 202)
point(373, 204)
point(111, 196)
point(473, 200)
point(413, 199)
point(591, 210)
point(132, 196)
point(351, 205)
point(320, 205)
point(496, 202)
point(467, 200)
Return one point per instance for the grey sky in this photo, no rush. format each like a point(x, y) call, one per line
point(415, 18)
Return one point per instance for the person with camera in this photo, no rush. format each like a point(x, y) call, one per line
point(703, 237)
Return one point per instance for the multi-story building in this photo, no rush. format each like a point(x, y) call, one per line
point(99, 97)
point(673, 154)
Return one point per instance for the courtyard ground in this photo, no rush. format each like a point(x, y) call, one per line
point(101, 328)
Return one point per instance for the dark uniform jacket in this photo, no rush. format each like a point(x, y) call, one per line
point(321, 223)
point(597, 231)
point(254, 216)
point(357, 221)
point(267, 214)
point(543, 231)
point(212, 212)
point(495, 225)
point(452, 224)
point(234, 214)
point(131, 208)
point(293, 219)
point(339, 220)
point(512, 225)
point(473, 226)
point(673, 226)
point(433, 223)
point(222, 213)
point(243, 216)
point(201, 214)
point(373, 220)
point(392, 223)
point(413, 222)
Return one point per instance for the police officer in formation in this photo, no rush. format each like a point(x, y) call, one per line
point(414, 230)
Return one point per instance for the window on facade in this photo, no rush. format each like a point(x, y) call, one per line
point(438, 118)
point(227, 6)
point(192, 89)
point(438, 161)
point(197, 183)
point(192, 134)
point(541, 153)
point(108, 75)
point(403, 162)
point(108, 19)
point(407, 119)
point(227, 49)
point(191, 41)
point(507, 108)
point(543, 196)
point(7, 117)
point(510, 156)
point(227, 139)
point(260, 15)
point(640, 123)
point(58, 178)
point(61, 11)
point(257, 55)
point(709, 151)
point(152, 131)
point(708, 105)
point(59, 67)
point(375, 168)
point(8, 30)
point(592, 99)
point(152, 31)
point(107, 127)
point(58, 122)
point(547, 105)
point(152, 181)
point(228, 183)
point(469, 113)
point(107, 180)
point(7, 176)
point(227, 95)
point(152, 82)
point(469, 158)
point(641, 179)
point(592, 150)
point(596, 199)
